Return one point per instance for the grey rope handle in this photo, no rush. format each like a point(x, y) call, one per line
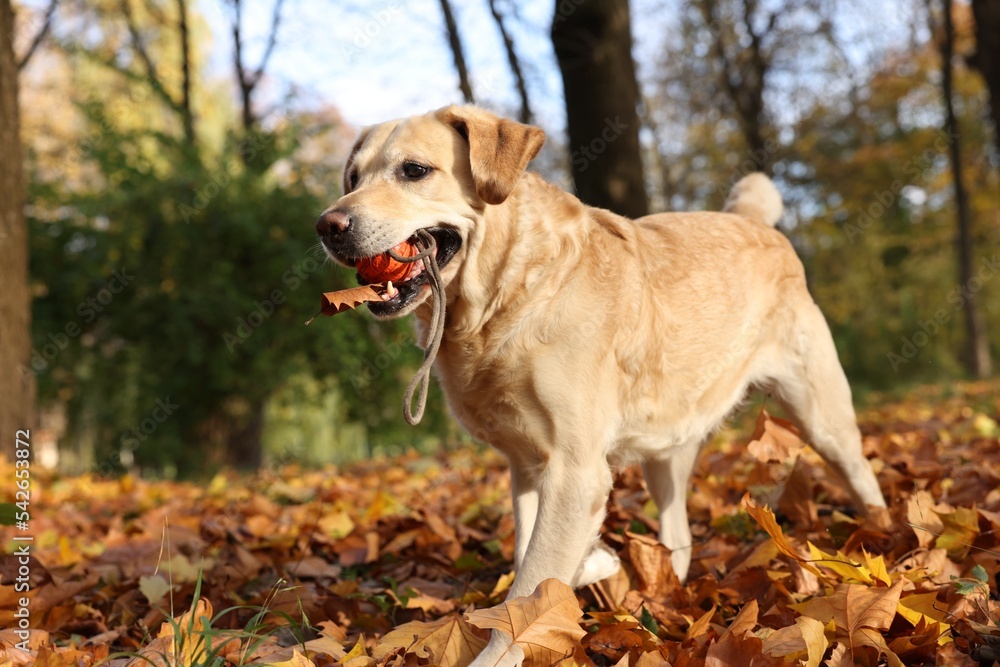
point(422, 378)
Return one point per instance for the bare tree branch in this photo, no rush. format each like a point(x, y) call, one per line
point(515, 64)
point(242, 80)
point(708, 11)
point(744, 77)
point(272, 40)
point(455, 42)
point(151, 74)
point(246, 80)
point(183, 106)
point(44, 30)
point(156, 11)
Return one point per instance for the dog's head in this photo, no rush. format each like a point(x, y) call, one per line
point(437, 172)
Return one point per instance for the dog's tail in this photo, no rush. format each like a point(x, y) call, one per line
point(755, 197)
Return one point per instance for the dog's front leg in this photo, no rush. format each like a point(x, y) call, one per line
point(571, 497)
point(524, 489)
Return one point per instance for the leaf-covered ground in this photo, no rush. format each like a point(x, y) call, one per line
point(320, 567)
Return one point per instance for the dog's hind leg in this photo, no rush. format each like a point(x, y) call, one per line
point(667, 477)
point(810, 383)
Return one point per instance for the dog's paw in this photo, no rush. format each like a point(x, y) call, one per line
point(599, 564)
point(500, 652)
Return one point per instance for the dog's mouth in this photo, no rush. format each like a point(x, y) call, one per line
point(406, 291)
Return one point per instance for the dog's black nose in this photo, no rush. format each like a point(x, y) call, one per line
point(332, 223)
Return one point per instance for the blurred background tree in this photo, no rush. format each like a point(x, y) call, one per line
point(176, 154)
point(17, 391)
point(173, 241)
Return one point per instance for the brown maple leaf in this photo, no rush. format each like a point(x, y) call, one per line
point(329, 641)
point(614, 640)
point(619, 633)
point(804, 640)
point(859, 612)
point(738, 646)
point(765, 519)
point(346, 299)
point(738, 651)
point(922, 644)
point(774, 439)
point(449, 641)
point(653, 569)
point(544, 624)
point(700, 626)
point(961, 528)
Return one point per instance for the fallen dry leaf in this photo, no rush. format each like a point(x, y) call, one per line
point(960, 530)
point(870, 637)
point(188, 633)
point(544, 624)
point(857, 611)
point(297, 660)
point(346, 299)
point(923, 519)
point(806, 641)
point(371, 547)
point(765, 519)
point(651, 562)
point(449, 642)
point(700, 626)
point(774, 439)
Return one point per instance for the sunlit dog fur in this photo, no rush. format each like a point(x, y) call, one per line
point(578, 341)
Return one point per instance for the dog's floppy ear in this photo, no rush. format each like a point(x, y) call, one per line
point(499, 149)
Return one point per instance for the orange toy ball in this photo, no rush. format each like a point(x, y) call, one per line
point(383, 268)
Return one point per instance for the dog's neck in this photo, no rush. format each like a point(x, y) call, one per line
point(506, 258)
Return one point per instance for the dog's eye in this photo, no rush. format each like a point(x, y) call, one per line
point(414, 171)
point(354, 179)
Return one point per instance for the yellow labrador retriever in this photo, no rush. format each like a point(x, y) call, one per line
point(577, 341)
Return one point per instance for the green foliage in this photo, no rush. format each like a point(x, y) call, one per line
point(171, 299)
point(648, 621)
point(866, 181)
point(879, 241)
point(979, 582)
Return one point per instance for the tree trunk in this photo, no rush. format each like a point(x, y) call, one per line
point(244, 448)
point(455, 42)
point(977, 352)
point(593, 43)
point(232, 436)
point(17, 383)
point(987, 58)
